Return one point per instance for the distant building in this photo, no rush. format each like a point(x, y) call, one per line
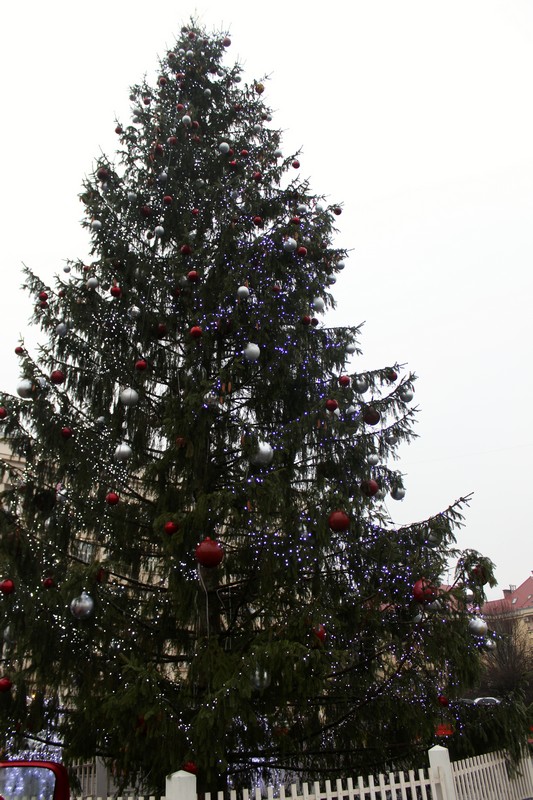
point(516, 603)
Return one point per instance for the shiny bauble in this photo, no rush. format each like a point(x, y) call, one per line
point(243, 293)
point(129, 397)
point(57, 377)
point(372, 460)
point(350, 348)
point(263, 455)
point(82, 607)
point(369, 487)
point(260, 679)
point(61, 329)
point(490, 644)
point(318, 304)
point(423, 591)
point(344, 380)
point(290, 245)
point(186, 120)
point(5, 684)
point(209, 553)
point(320, 632)
point(252, 352)
point(171, 527)
point(391, 438)
point(339, 521)
point(405, 394)
point(371, 415)
point(196, 332)
point(112, 498)
point(397, 493)
point(478, 626)
point(331, 404)
point(92, 283)
point(25, 389)
point(159, 231)
point(96, 225)
point(224, 148)
point(7, 586)
point(360, 385)
point(442, 700)
point(3, 413)
point(123, 452)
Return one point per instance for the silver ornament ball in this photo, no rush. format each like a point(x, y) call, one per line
point(263, 455)
point(478, 626)
point(24, 388)
point(252, 352)
point(82, 607)
point(123, 452)
point(129, 397)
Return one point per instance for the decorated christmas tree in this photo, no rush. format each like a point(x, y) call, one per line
point(197, 560)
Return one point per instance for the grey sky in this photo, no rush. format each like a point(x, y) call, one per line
point(418, 117)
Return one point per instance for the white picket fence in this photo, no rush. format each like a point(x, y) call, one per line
point(481, 778)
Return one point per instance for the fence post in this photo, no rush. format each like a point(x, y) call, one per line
point(439, 757)
point(181, 785)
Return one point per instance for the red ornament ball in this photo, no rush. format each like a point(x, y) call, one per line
point(112, 498)
point(118, 129)
point(141, 364)
point(195, 212)
point(244, 153)
point(258, 221)
point(43, 296)
point(257, 176)
point(320, 632)
point(195, 332)
point(5, 684)
point(167, 199)
point(391, 375)
point(226, 41)
point(171, 527)
point(146, 211)
point(180, 107)
point(3, 412)
point(185, 250)
point(116, 291)
point(57, 377)
point(370, 487)
point(193, 276)
point(423, 591)
point(371, 415)
point(19, 350)
point(302, 251)
point(191, 767)
point(66, 432)
point(161, 330)
point(7, 586)
point(442, 700)
point(103, 174)
point(339, 521)
point(331, 404)
point(209, 553)
point(172, 141)
point(306, 320)
point(314, 321)
point(296, 163)
point(337, 210)
point(344, 380)
point(478, 575)
point(49, 583)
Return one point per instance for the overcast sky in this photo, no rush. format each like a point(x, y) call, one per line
point(417, 115)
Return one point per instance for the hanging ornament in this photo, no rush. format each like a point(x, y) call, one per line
point(263, 455)
point(195, 332)
point(423, 591)
point(82, 606)
point(331, 404)
point(5, 684)
point(49, 582)
point(66, 432)
point(112, 498)
point(490, 644)
point(209, 553)
point(344, 380)
point(123, 452)
point(478, 575)
point(25, 389)
point(290, 245)
point(391, 375)
point(371, 415)
point(57, 377)
point(350, 348)
point(92, 283)
point(442, 700)
point(171, 527)
point(369, 487)
point(339, 521)
point(319, 305)
point(243, 293)
point(405, 394)
point(224, 148)
point(7, 586)
point(372, 460)
point(397, 493)
point(129, 397)
point(3, 413)
point(141, 364)
point(159, 231)
point(320, 632)
point(252, 352)
point(61, 328)
point(478, 626)
point(260, 679)
point(360, 384)
point(96, 225)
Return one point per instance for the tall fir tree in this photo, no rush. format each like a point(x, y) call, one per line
point(196, 556)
